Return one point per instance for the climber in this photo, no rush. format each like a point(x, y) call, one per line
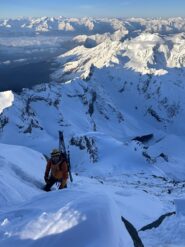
point(56, 170)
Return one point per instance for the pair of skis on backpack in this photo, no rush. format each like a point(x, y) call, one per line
point(62, 149)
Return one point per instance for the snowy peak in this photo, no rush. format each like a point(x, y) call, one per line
point(146, 53)
point(78, 62)
point(91, 25)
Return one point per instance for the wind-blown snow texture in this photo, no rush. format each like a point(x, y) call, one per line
point(118, 95)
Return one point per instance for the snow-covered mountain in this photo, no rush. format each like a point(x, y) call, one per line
point(146, 53)
point(118, 96)
point(100, 82)
point(90, 25)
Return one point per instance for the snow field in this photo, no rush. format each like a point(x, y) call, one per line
point(88, 213)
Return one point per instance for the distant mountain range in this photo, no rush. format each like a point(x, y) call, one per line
point(90, 25)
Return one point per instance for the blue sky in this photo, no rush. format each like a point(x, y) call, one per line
point(94, 8)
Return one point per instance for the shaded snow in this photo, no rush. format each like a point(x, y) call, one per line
point(21, 172)
point(170, 233)
point(180, 207)
point(88, 212)
point(37, 221)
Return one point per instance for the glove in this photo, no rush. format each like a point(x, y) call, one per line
point(46, 179)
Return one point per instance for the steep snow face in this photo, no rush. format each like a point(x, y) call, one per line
point(142, 52)
point(78, 61)
point(177, 53)
point(27, 215)
point(21, 172)
point(6, 99)
point(100, 120)
point(32, 217)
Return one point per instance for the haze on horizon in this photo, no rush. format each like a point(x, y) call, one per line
point(92, 8)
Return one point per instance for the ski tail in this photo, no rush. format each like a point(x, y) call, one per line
point(62, 148)
point(69, 166)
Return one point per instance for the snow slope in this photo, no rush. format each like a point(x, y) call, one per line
point(64, 221)
point(39, 221)
point(20, 167)
point(85, 215)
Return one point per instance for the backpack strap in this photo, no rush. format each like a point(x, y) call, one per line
point(61, 163)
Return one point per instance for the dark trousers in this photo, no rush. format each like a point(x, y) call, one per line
point(51, 181)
